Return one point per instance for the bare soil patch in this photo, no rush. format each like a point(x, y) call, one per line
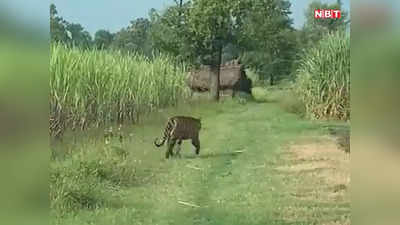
point(317, 174)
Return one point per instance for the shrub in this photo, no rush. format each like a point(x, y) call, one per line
point(76, 186)
point(88, 180)
point(243, 97)
point(254, 77)
point(292, 104)
point(323, 79)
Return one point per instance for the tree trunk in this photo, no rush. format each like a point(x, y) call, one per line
point(214, 82)
point(271, 80)
point(215, 71)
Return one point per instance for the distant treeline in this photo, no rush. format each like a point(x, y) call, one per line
point(260, 33)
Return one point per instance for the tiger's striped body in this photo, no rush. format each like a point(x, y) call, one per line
point(180, 128)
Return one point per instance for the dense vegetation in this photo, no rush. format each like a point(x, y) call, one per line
point(88, 179)
point(94, 87)
point(323, 81)
point(259, 32)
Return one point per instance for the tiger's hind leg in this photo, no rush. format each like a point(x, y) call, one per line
point(178, 152)
point(196, 143)
point(170, 148)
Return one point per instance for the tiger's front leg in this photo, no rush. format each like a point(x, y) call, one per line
point(170, 148)
point(178, 152)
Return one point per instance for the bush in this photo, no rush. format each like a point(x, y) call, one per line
point(243, 97)
point(88, 180)
point(323, 80)
point(254, 77)
point(292, 104)
point(75, 187)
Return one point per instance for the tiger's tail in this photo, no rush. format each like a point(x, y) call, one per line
point(167, 132)
point(156, 142)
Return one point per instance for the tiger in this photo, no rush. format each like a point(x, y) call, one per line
point(177, 129)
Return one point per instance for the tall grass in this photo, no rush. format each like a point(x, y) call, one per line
point(323, 79)
point(91, 87)
point(89, 178)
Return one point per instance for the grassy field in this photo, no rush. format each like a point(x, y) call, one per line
point(258, 164)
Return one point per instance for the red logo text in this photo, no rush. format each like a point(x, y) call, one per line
point(327, 14)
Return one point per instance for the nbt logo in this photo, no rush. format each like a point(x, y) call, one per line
point(327, 14)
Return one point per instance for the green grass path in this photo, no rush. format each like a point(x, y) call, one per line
point(229, 188)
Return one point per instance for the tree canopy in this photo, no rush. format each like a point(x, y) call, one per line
point(313, 30)
point(72, 34)
point(258, 32)
point(103, 39)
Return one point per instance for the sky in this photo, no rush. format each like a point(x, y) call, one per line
point(114, 15)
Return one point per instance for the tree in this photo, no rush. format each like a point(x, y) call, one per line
point(103, 39)
point(169, 31)
point(267, 37)
point(210, 23)
point(58, 31)
point(71, 34)
point(313, 30)
point(134, 38)
point(79, 37)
